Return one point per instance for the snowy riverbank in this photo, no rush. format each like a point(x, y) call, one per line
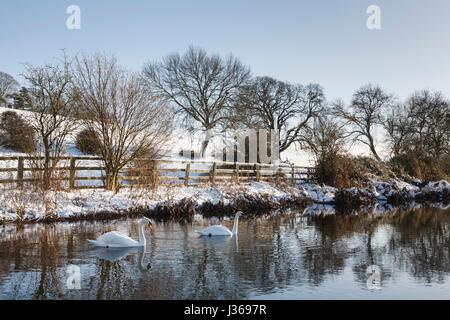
point(29, 206)
point(18, 205)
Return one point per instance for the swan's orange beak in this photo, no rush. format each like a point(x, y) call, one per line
point(150, 226)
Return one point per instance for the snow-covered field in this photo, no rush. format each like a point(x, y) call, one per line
point(180, 140)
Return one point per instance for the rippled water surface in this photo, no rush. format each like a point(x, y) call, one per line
point(285, 256)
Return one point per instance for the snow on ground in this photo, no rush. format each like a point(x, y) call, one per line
point(318, 193)
point(180, 139)
point(33, 205)
point(438, 186)
point(382, 190)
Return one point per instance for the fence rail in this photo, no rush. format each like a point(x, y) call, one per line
point(89, 172)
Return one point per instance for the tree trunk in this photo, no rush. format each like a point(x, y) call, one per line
point(47, 173)
point(372, 149)
point(112, 180)
point(204, 146)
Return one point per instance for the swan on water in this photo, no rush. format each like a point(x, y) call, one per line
point(219, 230)
point(116, 239)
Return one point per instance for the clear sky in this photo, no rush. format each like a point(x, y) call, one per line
point(298, 41)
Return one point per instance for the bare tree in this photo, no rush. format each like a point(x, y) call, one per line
point(430, 121)
point(364, 113)
point(399, 129)
point(199, 86)
point(130, 121)
point(326, 138)
point(54, 118)
point(275, 105)
point(420, 124)
point(8, 86)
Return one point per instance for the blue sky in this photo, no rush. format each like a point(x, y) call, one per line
point(298, 41)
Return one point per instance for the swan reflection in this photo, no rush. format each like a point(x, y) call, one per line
point(221, 242)
point(117, 254)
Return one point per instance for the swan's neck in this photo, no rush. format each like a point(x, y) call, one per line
point(141, 234)
point(235, 225)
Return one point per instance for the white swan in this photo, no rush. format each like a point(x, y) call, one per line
point(219, 230)
point(116, 239)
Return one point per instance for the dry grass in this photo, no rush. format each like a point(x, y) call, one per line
point(345, 171)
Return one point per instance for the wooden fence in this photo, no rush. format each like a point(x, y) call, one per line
point(88, 172)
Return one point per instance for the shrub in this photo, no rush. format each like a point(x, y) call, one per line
point(16, 133)
point(344, 171)
point(445, 165)
point(337, 171)
point(421, 165)
point(87, 141)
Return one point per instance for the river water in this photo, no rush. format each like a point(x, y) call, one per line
point(400, 255)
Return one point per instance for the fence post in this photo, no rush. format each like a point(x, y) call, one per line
point(213, 173)
point(293, 176)
point(236, 169)
point(72, 173)
point(309, 174)
point(20, 173)
point(153, 174)
point(257, 172)
point(186, 174)
point(274, 174)
point(278, 176)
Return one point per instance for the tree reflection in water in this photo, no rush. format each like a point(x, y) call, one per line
point(272, 254)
